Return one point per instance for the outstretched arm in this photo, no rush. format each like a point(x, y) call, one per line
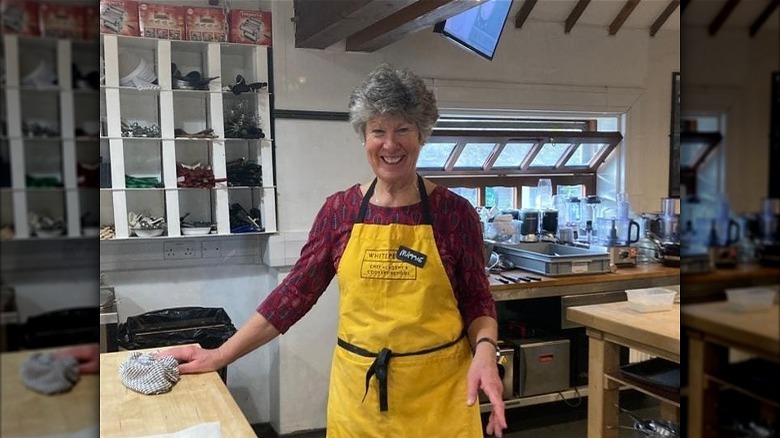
point(256, 332)
point(483, 373)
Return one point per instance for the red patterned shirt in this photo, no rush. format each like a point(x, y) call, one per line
point(456, 230)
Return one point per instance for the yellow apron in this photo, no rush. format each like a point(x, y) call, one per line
point(400, 366)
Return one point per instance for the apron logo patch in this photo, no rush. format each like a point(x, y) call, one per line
point(382, 264)
point(411, 256)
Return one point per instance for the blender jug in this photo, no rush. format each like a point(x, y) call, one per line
point(589, 212)
point(615, 231)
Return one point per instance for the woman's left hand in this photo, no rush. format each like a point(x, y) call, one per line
point(483, 374)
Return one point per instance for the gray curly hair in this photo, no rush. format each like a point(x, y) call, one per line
point(391, 91)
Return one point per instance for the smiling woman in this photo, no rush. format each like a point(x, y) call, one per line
point(410, 264)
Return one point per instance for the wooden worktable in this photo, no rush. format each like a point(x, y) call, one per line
point(710, 286)
point(641, 276)
point(610, 326)
point(195, 399)
point(28, 413)
point(712, 329)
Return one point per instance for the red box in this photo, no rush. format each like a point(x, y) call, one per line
point(161, 21)
point(20, 17)
point(250, 27)
point(62, 21)
point(205, 24)
point(91, 22)
point(119, 17)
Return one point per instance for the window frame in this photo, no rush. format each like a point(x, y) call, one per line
point(523, 175)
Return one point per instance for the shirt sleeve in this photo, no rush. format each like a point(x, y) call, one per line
point(309, 277)
point(471, 286)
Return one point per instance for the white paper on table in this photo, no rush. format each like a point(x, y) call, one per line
point(92, 431)
point(203, 430)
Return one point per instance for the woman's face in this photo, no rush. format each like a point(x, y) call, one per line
point(392, 148)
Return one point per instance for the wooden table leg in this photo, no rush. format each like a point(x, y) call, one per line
point(603, 357)
point(704, 358)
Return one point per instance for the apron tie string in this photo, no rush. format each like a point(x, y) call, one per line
point(381, 365)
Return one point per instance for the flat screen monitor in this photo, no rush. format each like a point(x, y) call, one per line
point(477, 29)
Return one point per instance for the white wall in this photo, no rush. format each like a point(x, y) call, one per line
point(729, 74)
point(236, 288)
point(538, 67)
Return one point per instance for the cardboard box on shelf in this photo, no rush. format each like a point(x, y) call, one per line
point(20, 17)
point(161, 21)
point(250, 27)
point(62, 20)
point(119, 17)
point(91, 22)
point(206, 24)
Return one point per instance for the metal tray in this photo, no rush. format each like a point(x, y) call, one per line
point(552, 259)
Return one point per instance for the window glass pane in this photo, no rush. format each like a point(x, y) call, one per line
point(550, 154)
point(474, 155)
point(467, 192)
point(607, 124)
point(567, 192)
point(513, 154)
point(500, 197)
point(690, 152)
point(584, 153)
point(434, 155)
point(528, 195)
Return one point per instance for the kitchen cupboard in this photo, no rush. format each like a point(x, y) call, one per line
point(154, 128)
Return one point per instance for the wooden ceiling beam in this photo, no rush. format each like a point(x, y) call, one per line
point(320, 24)
point(524, 12)
point(622, 16)
point(684, 5)
point(575, 14)
point(664, 16)
point(722, 16)
point(759, 21)
point(413, 18)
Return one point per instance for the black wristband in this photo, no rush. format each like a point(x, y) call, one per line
point(492, 342)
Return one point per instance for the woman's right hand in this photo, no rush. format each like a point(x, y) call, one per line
point(194, 359)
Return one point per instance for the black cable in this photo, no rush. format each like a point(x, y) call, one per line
point(572, 405)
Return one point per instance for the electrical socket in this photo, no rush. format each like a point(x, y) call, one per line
point(211, 248)
point(182, 249)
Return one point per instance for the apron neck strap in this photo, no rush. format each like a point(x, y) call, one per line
point(427, 218)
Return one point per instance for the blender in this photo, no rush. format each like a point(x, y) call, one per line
point(569, 219)
point(723, 235)
point(589, 212)
point(695, 218)
point(617, 232)
point(664, 231)
point(769, 246)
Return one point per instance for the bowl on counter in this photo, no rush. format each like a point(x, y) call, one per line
point(143, 233)
point(195, 231)
point(751, 299)
point(652, 299)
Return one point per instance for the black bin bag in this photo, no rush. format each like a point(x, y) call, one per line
point(208, 326)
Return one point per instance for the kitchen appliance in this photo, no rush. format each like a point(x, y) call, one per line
point(617, 232)
point(541, 365)
point(695, 218)
point(590, 210)
point(769, 247)
point(548, 225)
point(724, 234)
point(529, 226)
point(568, 218)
